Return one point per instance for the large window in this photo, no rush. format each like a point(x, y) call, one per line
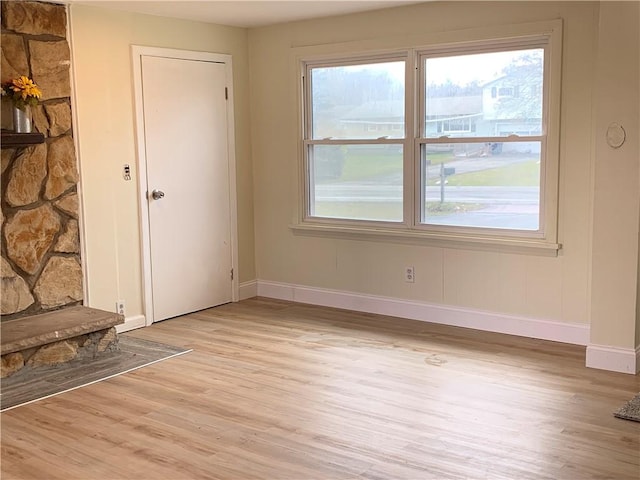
point(442, 140)
point(488, 177)
point(355, 143)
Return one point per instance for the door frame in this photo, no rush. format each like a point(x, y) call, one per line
point(137, 52)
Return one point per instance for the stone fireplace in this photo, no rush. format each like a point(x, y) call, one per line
point(40, 244)
point(40, 240)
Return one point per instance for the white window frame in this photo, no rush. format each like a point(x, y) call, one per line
point(410, 230)
point(488, 46)
point(308, 142)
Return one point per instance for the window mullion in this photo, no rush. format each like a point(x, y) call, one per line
point(411, 169)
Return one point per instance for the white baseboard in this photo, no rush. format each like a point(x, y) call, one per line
point(131, 323)
point(614, 359)
point(577, 334)
point(248, 290)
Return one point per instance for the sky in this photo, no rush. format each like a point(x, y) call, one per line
point(461, 69)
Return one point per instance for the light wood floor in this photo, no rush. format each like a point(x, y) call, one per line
point(277, 390)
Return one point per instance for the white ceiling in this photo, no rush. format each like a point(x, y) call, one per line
point(245, 13)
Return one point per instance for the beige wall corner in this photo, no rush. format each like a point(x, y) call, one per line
point(616, 196)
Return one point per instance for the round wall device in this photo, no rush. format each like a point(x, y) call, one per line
point(615, 135)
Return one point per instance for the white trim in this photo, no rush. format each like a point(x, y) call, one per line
point(145, 239)
point(131, 323)
point(233, 196)
point(436, 239)
point(248, 290)
point(614, 359)
point(137, 52)
point(76, 142)
point(577, 334)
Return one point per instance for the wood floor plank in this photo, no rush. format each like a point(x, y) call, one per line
point(279, 390)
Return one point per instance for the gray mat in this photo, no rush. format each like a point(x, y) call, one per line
point(134, 353)
point(630, 410)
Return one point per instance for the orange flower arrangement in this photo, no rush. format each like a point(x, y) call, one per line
point(22, 91)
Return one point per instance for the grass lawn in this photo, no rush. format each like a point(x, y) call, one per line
point(361, 166)
point(377, 211)
point(522, 174)
point(366, 166)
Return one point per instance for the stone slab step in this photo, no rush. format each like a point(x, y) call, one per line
point(34, 331)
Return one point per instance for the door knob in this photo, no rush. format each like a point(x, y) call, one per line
point(157, 194)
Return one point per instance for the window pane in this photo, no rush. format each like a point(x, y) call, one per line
point(487, 185)
point(358, 182)
point(358, 101)
point(484, 95)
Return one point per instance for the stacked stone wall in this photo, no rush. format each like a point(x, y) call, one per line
point(40, 243)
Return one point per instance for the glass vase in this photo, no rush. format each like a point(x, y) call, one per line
point(22, 119)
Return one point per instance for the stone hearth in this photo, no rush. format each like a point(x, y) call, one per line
point(68, 335)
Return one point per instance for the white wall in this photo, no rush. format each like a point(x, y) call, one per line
point(617, 178)
point(557, 289)
point(105, 119)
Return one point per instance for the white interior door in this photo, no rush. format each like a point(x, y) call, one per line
point(187, 160)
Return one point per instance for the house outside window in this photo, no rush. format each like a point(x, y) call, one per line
point(480, 179)
point(462, 149)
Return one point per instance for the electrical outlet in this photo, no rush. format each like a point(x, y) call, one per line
point(409, 275)
point(120, 307)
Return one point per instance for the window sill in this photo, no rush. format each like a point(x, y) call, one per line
point(432, 239)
